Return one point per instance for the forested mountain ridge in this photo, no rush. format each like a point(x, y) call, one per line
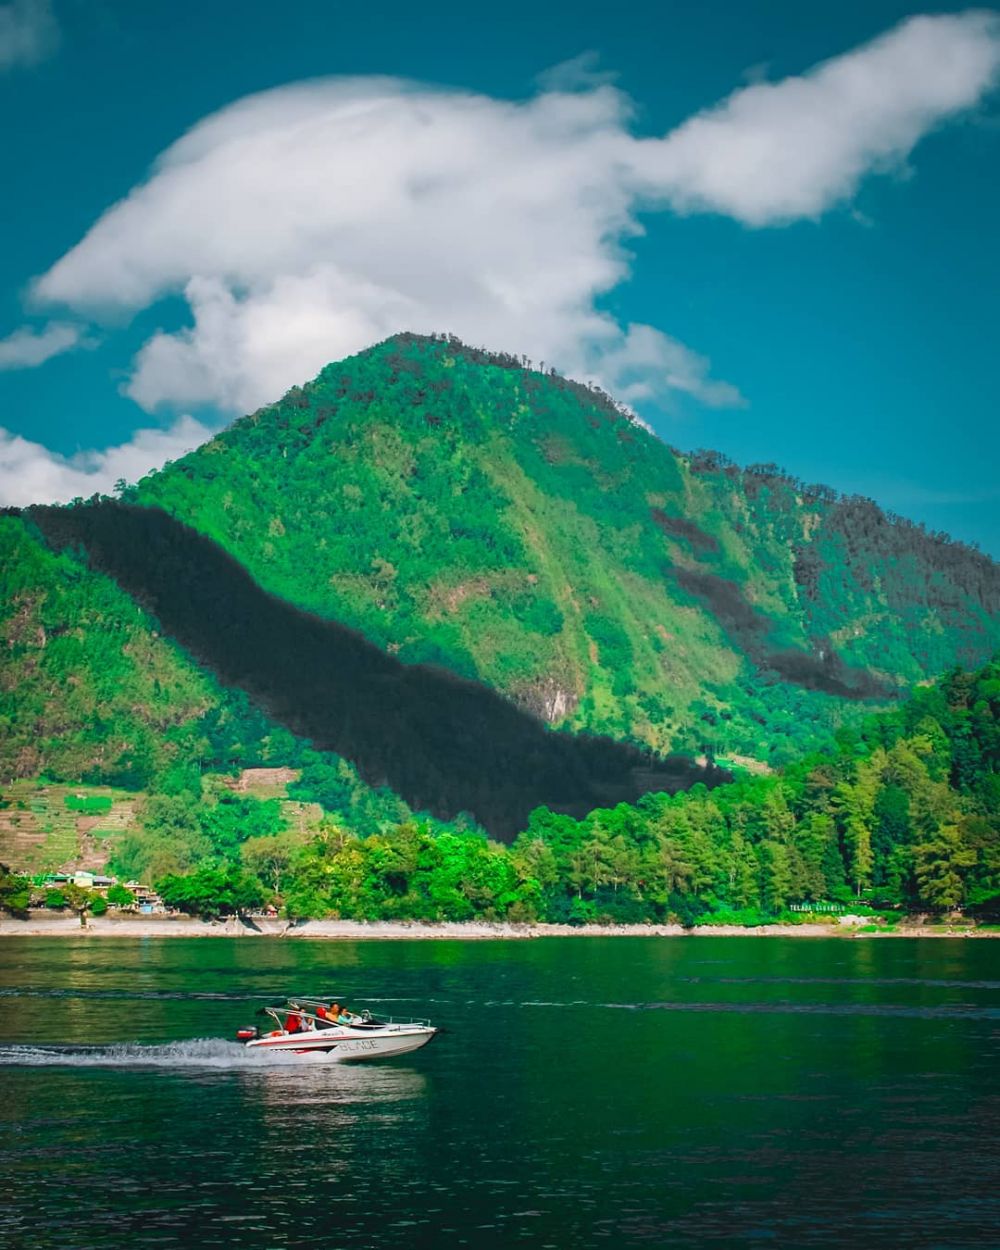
point(461, 509)
point(267, 600)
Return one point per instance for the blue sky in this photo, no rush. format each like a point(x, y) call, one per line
point(807, 274)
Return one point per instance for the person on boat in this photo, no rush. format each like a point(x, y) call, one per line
point(293, 1022)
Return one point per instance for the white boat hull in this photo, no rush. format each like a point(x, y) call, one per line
point(323, 1045)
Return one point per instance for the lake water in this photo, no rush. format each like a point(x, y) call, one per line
point(588, 1092)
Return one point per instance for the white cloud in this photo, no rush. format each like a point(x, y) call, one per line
point(644, 352)
point(775, 152)
point(244, 350)
point(28, 32)
point(27, 348)
point(30, 473)
point(304, 223)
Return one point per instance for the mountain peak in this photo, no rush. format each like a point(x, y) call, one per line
point(459, 507)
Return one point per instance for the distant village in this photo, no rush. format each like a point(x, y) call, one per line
point(144, 900)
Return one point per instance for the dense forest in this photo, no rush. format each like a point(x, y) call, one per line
point(903, 814)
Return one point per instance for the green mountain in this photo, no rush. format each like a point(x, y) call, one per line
point(460, 509)
point(415, 561)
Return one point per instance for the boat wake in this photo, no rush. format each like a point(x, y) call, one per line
point(201, 1052)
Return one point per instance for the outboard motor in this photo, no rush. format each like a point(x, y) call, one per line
point(247, 1035)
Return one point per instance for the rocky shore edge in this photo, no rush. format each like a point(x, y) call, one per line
point(44, 925)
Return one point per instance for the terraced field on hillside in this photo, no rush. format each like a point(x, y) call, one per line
point(39, 832)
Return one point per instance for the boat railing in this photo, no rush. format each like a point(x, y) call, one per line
point(426, 1024)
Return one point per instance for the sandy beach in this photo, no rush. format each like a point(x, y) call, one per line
point(43, 924)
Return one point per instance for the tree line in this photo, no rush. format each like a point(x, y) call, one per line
point(903, 814)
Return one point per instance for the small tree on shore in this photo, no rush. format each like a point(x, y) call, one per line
point(79, 900)
point(15, 892)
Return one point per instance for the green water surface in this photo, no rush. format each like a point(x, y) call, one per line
point(588, 1091)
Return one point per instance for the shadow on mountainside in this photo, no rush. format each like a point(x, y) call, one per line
point(749, 629)
point(445, 744)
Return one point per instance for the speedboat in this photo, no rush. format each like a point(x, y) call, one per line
point(308, 1028)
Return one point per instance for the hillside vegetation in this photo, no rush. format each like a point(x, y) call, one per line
point(444, 743)
point(345, 582)
point(93, 694)
point(460, 509)
point(904, 814)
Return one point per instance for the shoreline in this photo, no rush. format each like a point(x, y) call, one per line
point(61, 926)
